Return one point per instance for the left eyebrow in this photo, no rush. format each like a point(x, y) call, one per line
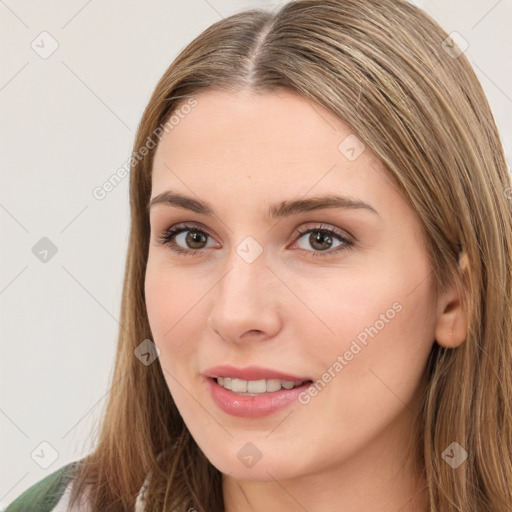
point(276, 211)
point(287, 208)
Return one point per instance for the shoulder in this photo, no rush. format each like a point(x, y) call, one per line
point(44, 495)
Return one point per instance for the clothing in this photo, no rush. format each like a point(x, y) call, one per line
point(52, 493)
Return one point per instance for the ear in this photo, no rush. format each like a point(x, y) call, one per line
point(451, 327)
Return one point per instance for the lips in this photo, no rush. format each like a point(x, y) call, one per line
point(251, 406)
point(251, 373)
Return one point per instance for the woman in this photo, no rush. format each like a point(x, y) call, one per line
point(318, 292)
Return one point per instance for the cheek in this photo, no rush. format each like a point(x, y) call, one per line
point(381, 319)
point(173, 302)
point(173, 307)
point(372, 367)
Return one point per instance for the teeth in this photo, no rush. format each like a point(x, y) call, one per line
point(239, 386)
point(273, 385)
point(256, 387)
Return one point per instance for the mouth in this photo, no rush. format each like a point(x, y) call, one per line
point(252, 373)
point(258, 387)
point(254, 398)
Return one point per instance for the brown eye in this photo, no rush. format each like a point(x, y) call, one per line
point(184, 239)
point(195, 239)
point(321, 240)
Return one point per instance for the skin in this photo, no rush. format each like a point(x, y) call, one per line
point(351, 444)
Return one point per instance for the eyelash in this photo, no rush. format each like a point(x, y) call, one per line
point(169, 234)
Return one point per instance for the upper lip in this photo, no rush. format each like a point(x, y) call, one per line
point(251, 373)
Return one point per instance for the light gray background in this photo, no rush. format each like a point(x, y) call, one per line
point(68, 123)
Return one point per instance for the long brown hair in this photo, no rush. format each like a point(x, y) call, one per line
point(381, 66)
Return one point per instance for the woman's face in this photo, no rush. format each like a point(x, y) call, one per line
point(339, 296)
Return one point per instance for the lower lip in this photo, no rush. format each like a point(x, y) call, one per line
point(245, 406)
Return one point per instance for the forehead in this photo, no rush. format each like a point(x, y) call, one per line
point(267, 125)
point(252, 146)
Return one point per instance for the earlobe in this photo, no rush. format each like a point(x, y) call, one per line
point(451, 328)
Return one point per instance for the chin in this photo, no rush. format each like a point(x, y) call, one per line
point(245, 463)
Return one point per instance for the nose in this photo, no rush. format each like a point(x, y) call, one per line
point(246, 302)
